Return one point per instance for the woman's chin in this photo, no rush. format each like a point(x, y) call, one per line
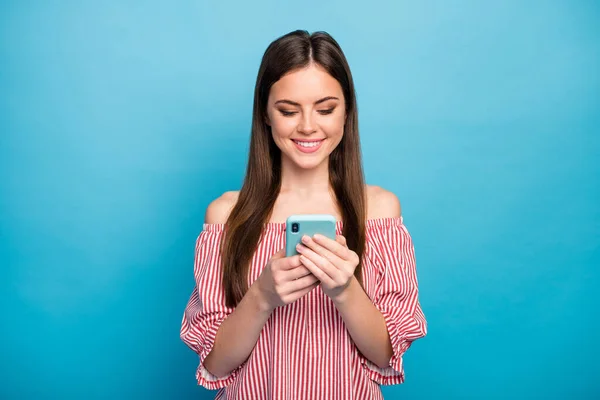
point(308, 164)
point(304, 161)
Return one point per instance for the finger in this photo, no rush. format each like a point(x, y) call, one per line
point(332, 257)
point(341, 240)
point(341, 251)
point(301, 293)
point(316, 270)
point(288, 263)
point(279, 254)
point(298, 272)
point(302, 283)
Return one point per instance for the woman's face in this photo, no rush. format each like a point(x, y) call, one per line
point(306, 111)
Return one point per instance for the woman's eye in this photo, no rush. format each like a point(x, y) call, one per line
point(325, 112)
point(290, 113)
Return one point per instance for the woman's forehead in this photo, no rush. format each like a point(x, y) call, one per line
point(306, 85)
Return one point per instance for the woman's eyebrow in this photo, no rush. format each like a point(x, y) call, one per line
point(293, 103)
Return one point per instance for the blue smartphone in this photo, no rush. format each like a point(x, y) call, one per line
point(307, 224)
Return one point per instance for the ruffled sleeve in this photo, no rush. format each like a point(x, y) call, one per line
point(206, 309)
point(396, 296)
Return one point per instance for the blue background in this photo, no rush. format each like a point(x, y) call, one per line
point(121, 120)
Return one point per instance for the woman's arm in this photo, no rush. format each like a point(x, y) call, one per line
point(333, 263)
point(365, 324)
point(231, 348)
point(282, 281)
point(238, 334)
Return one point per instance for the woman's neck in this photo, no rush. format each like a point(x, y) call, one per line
point(304, 182)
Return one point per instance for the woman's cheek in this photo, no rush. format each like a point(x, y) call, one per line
point(282, 125)
point(334, 126)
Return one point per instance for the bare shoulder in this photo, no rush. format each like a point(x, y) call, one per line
point(382, 203)
point(218, 210)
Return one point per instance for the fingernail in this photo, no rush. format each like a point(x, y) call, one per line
point(305, 239)
point(299, 247)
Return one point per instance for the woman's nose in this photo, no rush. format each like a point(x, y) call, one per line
point(307, 124)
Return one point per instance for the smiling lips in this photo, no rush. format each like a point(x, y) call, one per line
point(308, 146)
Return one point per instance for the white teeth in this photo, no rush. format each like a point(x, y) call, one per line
point(308, 144)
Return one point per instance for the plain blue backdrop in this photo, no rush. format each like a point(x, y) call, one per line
point(121, 120)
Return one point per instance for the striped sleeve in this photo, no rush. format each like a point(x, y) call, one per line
point(206, 309)
point(397, 298)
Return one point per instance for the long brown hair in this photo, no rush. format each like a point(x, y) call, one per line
point(262, 183)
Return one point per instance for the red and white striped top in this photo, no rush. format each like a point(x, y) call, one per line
point(304, 350)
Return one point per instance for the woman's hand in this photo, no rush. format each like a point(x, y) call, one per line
point(331, 261)
point(283, 281)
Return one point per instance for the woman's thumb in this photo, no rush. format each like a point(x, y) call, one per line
point(279, 254)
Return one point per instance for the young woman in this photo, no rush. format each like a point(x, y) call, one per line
point(334, 321)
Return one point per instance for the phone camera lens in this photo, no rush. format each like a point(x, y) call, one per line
point(295, 227)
